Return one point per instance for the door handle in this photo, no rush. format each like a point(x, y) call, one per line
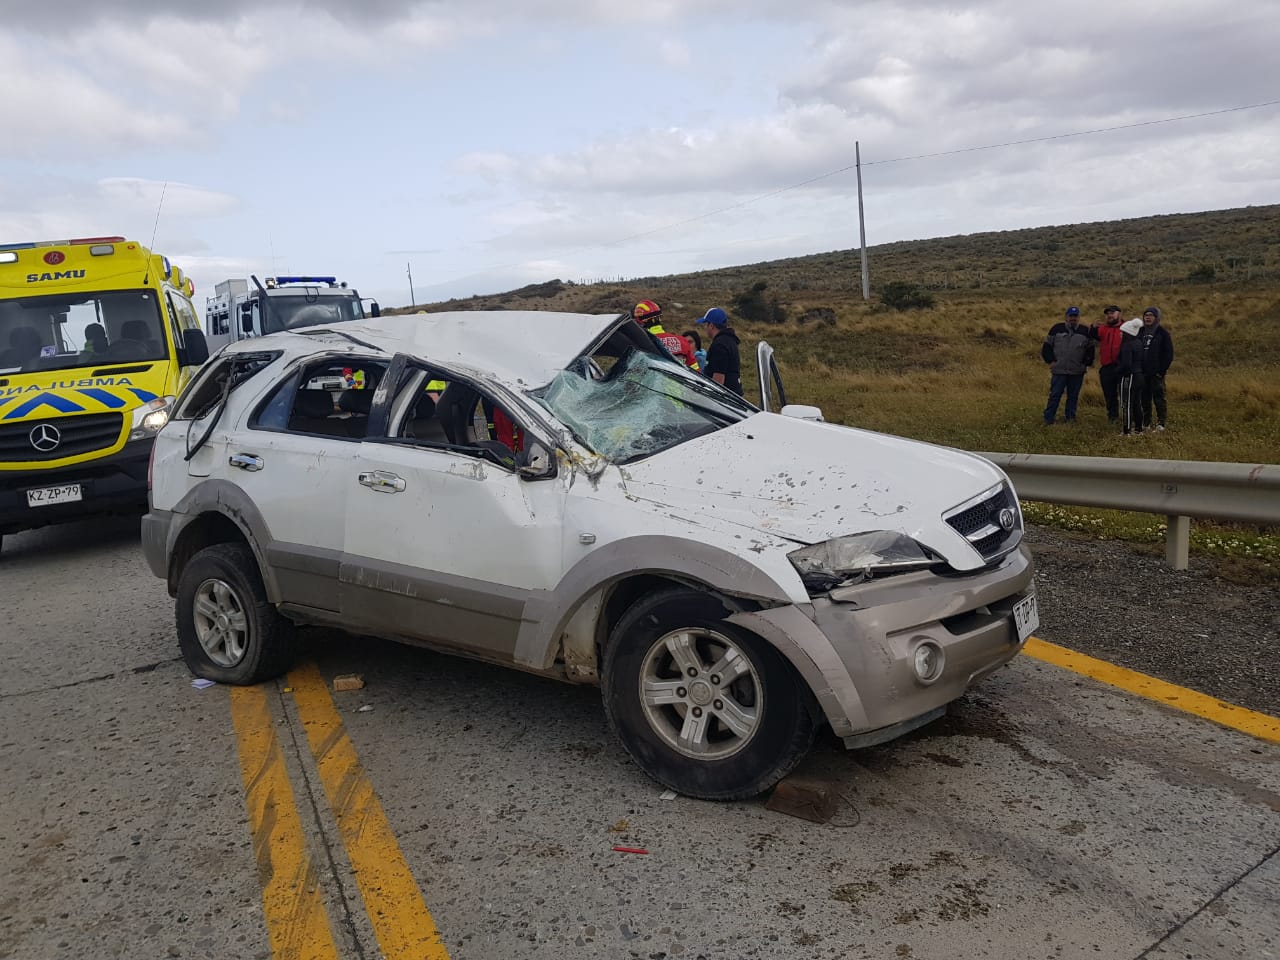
point(382, 481)
point(245, 461)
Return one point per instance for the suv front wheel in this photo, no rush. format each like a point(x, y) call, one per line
point(227, 629)
point(704, 707)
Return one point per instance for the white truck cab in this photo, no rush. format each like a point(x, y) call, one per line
point(238, 311)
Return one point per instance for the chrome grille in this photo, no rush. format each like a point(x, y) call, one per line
point(978, 521)
point(76, 435)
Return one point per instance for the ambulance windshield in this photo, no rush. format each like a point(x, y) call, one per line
point(62, 331)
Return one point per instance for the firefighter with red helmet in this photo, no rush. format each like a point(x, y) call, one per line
point(649, 315)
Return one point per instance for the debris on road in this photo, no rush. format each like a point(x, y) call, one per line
point(812, 800)
point(668, 795)
point(348, 681)
point(200, 683)
point(630, 850)
point(622, 826)
point(365, 709)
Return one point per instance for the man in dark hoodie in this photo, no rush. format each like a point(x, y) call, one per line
point(1108, 335)
point(1157, 357)
point(724, 366)
point(1068, 349)
point(1130, 379)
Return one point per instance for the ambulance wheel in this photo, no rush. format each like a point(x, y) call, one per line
point(703, 706)
point(227, 629)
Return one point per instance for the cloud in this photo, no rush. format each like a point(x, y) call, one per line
point(53, 208)
point(929, 78)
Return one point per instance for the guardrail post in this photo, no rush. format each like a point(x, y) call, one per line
point(1177, 543)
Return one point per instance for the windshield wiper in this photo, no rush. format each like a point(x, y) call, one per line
point(725, 418)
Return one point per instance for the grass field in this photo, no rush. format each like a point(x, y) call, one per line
point(967, 373)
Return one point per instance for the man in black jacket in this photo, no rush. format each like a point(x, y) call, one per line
point(724, 366)
point(1068, 349)
point(1157, 357)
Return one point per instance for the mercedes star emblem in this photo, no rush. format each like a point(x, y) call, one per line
point(45, 437)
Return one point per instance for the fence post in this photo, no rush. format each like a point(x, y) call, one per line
point(1177, 543)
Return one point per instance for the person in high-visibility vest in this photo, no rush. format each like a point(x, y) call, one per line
point(648, 314)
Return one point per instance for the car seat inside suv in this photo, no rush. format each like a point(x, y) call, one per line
point(357, 404)
point(313, 412)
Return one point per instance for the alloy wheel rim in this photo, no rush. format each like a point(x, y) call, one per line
point(222, 627)
point(701, 694)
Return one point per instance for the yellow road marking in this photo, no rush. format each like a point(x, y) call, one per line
point(297, 924)
point(1260, 725)
point(392, 899)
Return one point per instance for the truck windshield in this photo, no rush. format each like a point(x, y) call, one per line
point(61, 331)
point(291, 311)
point(642, 406)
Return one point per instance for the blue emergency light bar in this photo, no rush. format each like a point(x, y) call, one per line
point(305, 279)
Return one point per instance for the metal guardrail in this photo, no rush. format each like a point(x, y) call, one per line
point(1179, 489)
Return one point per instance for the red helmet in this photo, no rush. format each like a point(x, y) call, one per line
point(646, 312)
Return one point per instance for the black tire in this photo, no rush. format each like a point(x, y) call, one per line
point(265, 646)
point(782, 731)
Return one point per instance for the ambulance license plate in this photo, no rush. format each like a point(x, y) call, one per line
point(48, 496)
point(1026, 617)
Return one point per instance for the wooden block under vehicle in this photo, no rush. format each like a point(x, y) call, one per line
point(350, 681)
point(811, 800)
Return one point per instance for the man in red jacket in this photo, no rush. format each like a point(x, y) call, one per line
point(1109, 338)
point(649, 315)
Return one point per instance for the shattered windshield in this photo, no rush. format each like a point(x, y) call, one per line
point(644, 404)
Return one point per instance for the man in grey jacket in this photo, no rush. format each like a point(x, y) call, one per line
point(1068, 350)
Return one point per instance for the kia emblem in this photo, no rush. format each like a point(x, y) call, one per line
point(45, 437)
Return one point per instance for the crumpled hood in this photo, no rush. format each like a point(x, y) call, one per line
point(808, 482)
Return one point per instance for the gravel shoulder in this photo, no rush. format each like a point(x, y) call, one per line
point(1194, 627)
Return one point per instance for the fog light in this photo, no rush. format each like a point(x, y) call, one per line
point(928, 662)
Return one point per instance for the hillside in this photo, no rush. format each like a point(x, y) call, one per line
point(1222, 248)
point(967, 372)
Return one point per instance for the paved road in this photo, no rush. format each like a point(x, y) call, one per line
point(1047, 816)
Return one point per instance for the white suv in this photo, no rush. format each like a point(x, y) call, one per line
point(554, 493)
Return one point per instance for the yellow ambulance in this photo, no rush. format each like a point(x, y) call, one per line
point(97, 338)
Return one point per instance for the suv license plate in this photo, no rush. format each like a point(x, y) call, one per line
point(48, 496)
point(1026, 617)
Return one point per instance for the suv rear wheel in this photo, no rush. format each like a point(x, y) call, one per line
point(703, 707)
point(227, 630)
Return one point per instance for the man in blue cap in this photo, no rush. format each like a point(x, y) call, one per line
point(1068, 349)
point(723, 363)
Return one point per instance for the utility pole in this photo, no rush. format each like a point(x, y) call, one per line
point(862, 223)
point(408, 268)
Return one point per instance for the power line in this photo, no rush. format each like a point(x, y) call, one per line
point(1063, 136)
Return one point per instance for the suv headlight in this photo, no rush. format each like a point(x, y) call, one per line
point(862, 555)
point(149, 418)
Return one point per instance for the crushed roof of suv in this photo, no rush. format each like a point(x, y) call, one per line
point(527, 347)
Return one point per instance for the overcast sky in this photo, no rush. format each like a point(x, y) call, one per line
point(492, 143)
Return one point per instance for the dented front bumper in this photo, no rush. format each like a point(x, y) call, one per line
point(856, 646)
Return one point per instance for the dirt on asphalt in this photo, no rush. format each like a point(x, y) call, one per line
point(1199, 628)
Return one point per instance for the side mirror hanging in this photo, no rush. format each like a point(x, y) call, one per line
point(536, 462)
